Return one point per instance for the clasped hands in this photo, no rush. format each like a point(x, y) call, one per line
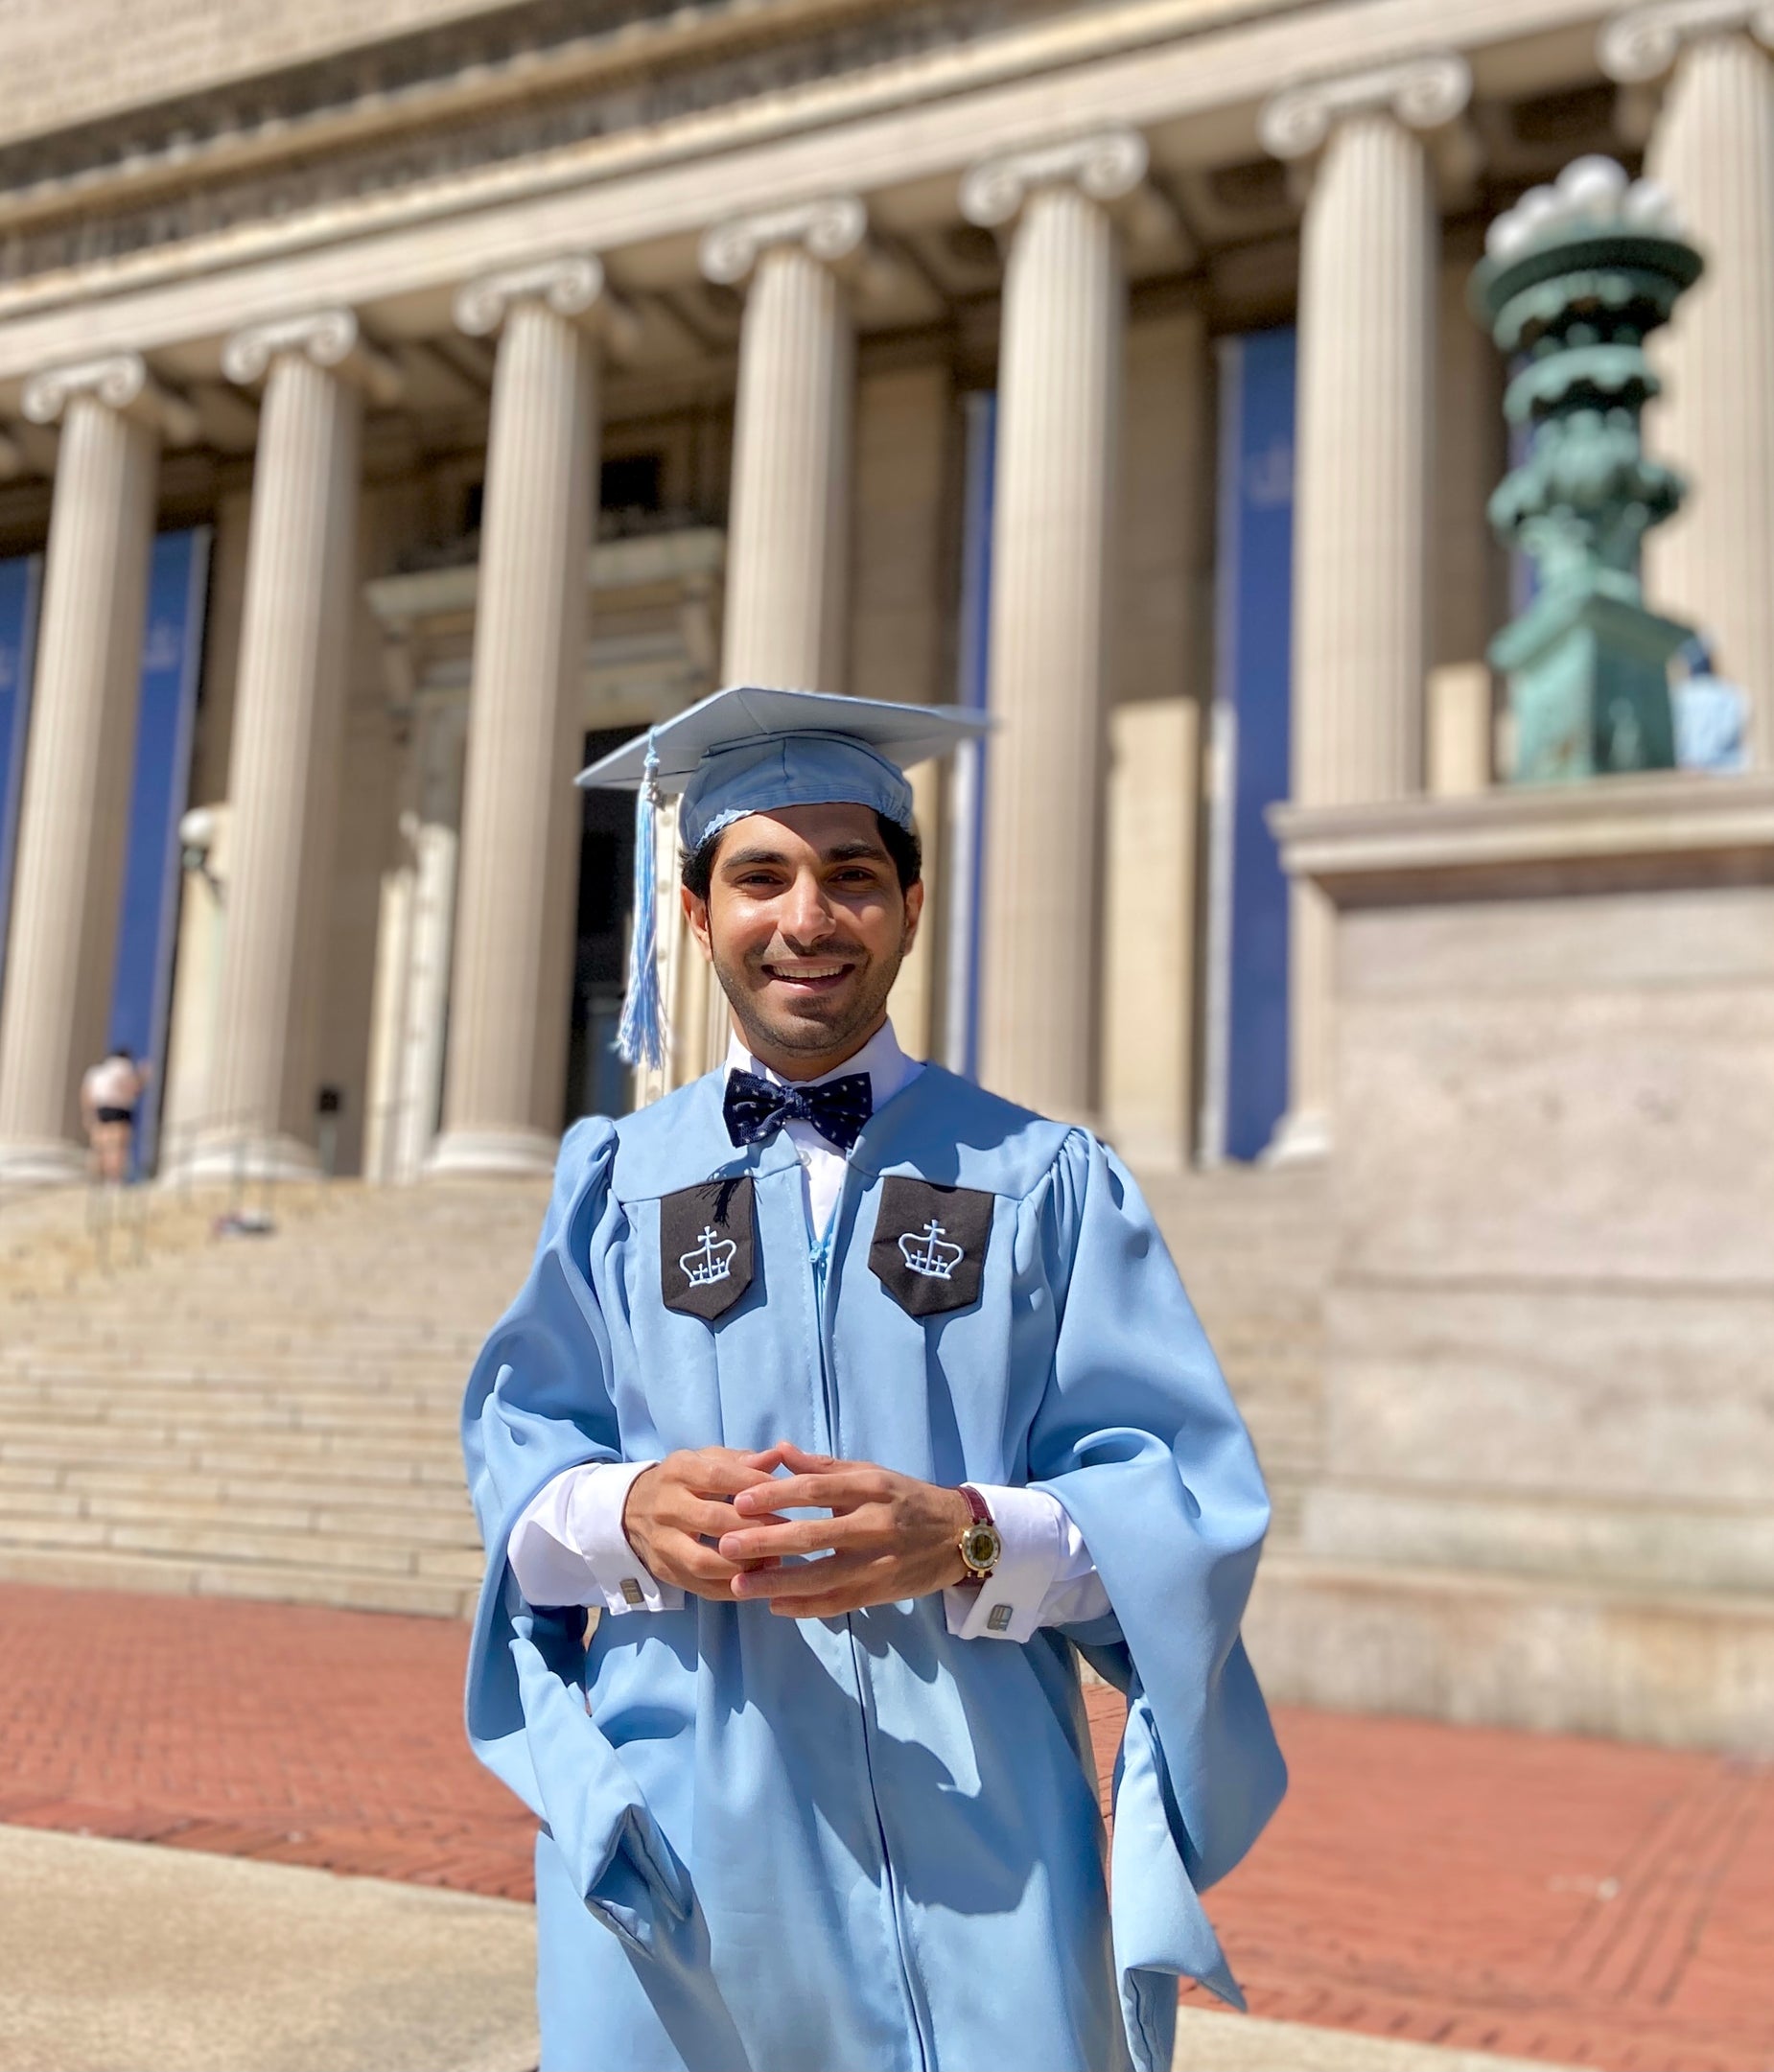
point(711, 1523)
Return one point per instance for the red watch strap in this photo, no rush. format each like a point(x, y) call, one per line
point(977, 1504)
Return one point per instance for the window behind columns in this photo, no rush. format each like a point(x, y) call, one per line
point(598, 1080)
point(630, 488)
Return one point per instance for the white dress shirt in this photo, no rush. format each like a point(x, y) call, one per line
point(568, 1546)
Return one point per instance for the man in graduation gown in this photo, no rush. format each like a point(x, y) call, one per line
point(862, 1404)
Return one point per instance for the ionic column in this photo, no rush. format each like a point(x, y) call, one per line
point(505, 1087)
point(283, 773)
point(1361, 497)
point(788, 527)
point(1059, 405)
point(1713, 147)
point(63, 941)
point(436, 839)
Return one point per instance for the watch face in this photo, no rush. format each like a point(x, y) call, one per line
point(981, 1548)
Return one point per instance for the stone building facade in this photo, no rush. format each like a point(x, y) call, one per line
point(516, 373)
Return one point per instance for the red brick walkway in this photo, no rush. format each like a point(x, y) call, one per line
point(1539, 1896)
point(280, 1731)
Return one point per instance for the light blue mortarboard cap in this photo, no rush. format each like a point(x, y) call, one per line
point(750, 750)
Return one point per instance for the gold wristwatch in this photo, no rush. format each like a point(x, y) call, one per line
point(981, 1545)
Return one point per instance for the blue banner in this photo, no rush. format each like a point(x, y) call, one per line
point(1247, 992)
point(148, 929)
point(20, 587)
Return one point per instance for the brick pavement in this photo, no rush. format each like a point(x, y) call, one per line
point(291, 1733)
point(1534, 1894)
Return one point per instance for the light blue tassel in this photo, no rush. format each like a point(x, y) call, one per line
point(641, 1037)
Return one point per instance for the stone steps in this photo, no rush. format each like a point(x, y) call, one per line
point(270, 1417)
point(338, 1453)
point(284, 1583)
point(396, 1486)
point(193, 1418)
point(446, 1520)
point(1253, 1247)
point(254, 1539)
point(257, 1396)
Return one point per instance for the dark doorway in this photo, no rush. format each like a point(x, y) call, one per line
point(598, 1080)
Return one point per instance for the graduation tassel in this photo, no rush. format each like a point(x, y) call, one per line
point(640, 1036)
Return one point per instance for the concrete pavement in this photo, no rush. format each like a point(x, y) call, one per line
point(119, 1954)
point(1209, 2043)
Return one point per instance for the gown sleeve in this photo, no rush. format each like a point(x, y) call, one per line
point(538, 1402)
point(1139, 1437)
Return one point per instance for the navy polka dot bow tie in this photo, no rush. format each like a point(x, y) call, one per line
point(837, 1109)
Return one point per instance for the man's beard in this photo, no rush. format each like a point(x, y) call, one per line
point(813, 1033)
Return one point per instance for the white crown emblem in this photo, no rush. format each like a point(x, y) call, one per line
point(712, 1261)
point(927, 1256)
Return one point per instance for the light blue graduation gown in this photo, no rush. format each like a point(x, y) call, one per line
point(862, 1845)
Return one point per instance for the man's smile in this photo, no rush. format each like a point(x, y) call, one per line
point(809, 975)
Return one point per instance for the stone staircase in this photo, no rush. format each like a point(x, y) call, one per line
point(276, 1417)
point(1253, 1247)
point(265, 1416)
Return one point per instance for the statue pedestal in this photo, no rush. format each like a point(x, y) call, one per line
point(1547, 1494)
point(1589, 684)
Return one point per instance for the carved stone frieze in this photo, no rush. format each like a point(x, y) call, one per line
point(330, 338)
point(346, 136)
point(1643, 44)
point(1107, 165)
point(122, 382)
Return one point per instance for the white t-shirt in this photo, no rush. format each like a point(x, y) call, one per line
point(114, 1082)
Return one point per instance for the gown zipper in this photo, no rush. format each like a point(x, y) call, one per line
point(820, 1260)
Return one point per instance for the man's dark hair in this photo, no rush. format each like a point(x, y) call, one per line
point(696, 868)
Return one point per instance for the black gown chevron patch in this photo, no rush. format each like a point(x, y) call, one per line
point(929, 1245)
point(706, 1246)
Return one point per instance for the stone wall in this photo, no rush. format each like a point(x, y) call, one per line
point(70, 62)
point(1549, 1418)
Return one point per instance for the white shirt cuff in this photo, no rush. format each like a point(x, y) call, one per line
point(568, 1546)
point(1044, 1576)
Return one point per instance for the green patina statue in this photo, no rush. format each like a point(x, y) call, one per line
point(1576, 277)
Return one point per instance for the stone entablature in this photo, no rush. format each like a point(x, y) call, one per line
point(432, 105)
point(876, 99)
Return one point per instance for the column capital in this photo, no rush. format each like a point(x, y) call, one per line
point(573, 286)
point(122, 382)
point(1643, 43)
point(328, 339)
point(1105, 165)
point(1427, 93)
point(832, 229)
